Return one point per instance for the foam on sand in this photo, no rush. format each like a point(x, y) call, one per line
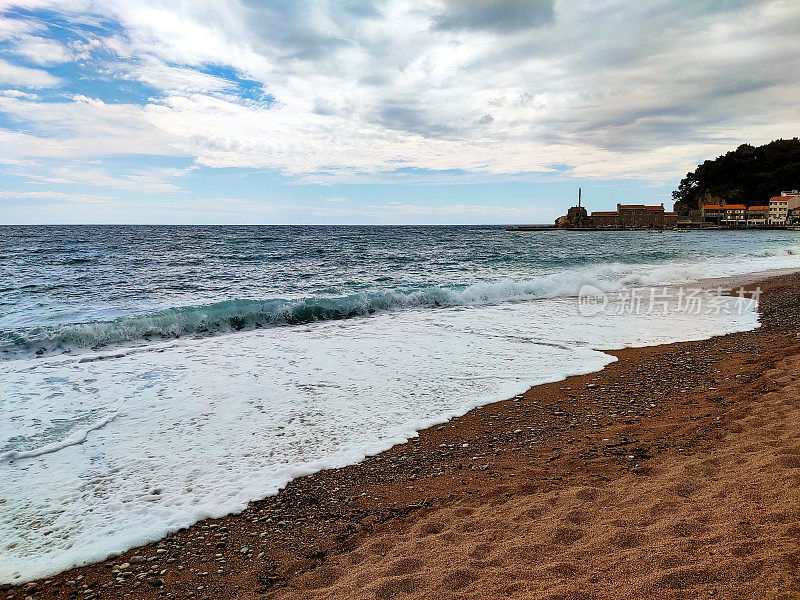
point(204, 426)
point(77, 438)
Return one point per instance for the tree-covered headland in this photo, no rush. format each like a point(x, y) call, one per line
point(748, 175)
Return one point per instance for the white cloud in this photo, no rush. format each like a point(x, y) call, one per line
point(49, 195)
point(179, 80)
point(26, 37)
point(85, 127)
point(18, 145)
point(138, 181)
point(42, 51)
point(16, 75)
point(607, 89)
point(39, 198)
point(12, 28)
point(18, 94)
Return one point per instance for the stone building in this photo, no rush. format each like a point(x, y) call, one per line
point(604, 219)
point(576, 217)
point(639, 215)
point(635, 216)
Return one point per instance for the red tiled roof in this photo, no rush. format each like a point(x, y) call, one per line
point(734, 207)
point(670, 214)
point(784, 198)
point(605, 213)
point(758, 208)
point(711, 207)
point(640, 207)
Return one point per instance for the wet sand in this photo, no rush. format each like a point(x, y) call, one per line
point(672, 473)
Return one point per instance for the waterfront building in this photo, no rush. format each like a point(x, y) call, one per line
point(734, 215)
point(712, 214)
point(757, 216)
point(634, 216)
point(640, 215)
point(779, 207)
point(604, 219)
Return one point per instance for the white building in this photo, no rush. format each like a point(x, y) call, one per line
point(734, 215)
point(779, 206)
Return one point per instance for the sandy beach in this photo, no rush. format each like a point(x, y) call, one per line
point(673, 473)
point(417, 300)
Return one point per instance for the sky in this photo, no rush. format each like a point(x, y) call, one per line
point(382, 112)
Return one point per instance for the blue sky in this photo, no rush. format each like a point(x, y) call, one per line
point(431, 111)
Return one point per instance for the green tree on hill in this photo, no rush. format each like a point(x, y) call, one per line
point(748, 175)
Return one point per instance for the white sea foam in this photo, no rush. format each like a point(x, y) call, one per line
point(205, 425)
point(77, 438)
point(245, 314)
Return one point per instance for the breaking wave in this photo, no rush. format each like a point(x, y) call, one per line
point(244, 314)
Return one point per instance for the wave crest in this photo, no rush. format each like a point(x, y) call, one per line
point(243, 314)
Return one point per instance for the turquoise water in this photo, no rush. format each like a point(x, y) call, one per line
point(83, 287)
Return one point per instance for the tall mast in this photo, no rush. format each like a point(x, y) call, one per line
point(579, 197)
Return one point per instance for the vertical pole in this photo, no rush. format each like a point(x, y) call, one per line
point(579, 197)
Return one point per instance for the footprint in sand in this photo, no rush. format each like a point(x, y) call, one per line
point(395, 587)
point(460, 578)
point(404, 566)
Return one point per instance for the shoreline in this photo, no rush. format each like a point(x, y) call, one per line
point(697, 227)
point(276, 543)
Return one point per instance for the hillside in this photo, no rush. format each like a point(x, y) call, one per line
point(748, 175)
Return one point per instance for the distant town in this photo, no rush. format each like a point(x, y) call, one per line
point(781, 212)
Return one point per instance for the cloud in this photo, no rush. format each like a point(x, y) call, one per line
point(38, 198)
point(500, 16)
point(176, 79)
point(83, 127)
point(12, 28)
point(42, 51)
point(16, 75)
point(400, 90)
point(139, 181)
point(18, 94)
point(49, 195)
point(26, 38)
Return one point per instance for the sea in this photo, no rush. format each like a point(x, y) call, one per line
point(153, 376)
